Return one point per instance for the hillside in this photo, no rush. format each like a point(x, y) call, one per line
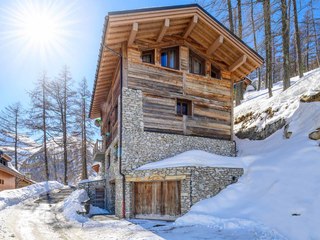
point(34, 165)
point(278, 197)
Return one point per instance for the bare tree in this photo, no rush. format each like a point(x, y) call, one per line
point(62, 99)
point(12, 133)
point(39, 116)
point(297, 36)
point(285, 44)
point(268, 47)
point(83, 123)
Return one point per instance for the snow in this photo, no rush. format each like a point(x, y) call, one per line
point(278, 196)
point(283, 104)
point(12, 197)
point(196, 158)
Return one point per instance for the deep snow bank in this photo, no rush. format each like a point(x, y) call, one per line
point(196, 158)
point(12, 197)
point(280, 188)
point(73, 204)
point(260, 116)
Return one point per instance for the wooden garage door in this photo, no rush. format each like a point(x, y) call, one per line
point(157, 199)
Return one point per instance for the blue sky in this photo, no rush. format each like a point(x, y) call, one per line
point(79, 26)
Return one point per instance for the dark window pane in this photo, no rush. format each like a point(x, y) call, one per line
point(184, 109)
point(179, 108)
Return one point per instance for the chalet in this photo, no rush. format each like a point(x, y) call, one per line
point(164, 86)
point(10, 178)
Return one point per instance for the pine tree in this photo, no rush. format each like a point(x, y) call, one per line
point(285, 44)
point(297, 36)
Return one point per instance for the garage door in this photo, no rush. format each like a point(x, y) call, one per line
point(157, 199)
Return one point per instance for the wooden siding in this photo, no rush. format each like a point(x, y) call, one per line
point(157, 199)
point(211, 98)
point(9, 181)
point(109, 113)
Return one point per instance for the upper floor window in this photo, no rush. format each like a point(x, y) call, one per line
point(184, 107)
point(3, 162)
point(170, 57)
point(148, 56)
point(215, 72)
point(196, 64)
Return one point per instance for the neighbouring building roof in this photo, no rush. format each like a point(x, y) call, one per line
point(189, 22)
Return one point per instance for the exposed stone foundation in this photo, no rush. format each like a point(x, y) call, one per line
point(197, 183)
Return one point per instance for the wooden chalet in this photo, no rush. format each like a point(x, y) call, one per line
point(9, 177)
point(184, 63)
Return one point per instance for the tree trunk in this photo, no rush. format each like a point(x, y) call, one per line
point(84, 174)
point(285, 44)
point(230, 16)
point(64, 129)
point(297, 34)
point(267, 27)
point(44, 106)
point(255, 40)
point(239, 19)
point(16, 140)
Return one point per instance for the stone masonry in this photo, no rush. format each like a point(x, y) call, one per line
point(197, 183)
point(140, 147)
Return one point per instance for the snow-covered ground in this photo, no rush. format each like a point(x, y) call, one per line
point(278, 197)
point(280, 188)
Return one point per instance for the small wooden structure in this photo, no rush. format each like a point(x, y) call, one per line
point(9, 177)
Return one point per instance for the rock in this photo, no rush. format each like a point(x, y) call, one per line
point(287, 134)
point(315, 135)
point(311, 98)
point(254, 134)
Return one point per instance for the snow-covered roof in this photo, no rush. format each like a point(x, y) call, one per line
point(195, 158)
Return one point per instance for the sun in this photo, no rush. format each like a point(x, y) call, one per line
point(40, 26)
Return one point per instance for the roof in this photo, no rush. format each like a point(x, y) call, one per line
point(4, 156)
point(15, 173)
point(190, 22)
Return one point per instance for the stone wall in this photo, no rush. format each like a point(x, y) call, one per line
point(140, 147)
point(197, 183)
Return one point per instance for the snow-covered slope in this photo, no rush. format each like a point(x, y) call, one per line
point(15, 196)
point(280, 188)
point(258, 110)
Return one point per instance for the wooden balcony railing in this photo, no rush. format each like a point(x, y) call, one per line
point(98, 151)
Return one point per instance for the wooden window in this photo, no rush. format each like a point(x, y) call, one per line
point(196, 64)
point(215, 72)
point(170, 57)
point(184, 107)
point(148, 56)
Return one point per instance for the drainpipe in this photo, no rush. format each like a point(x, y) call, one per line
point(120, 133)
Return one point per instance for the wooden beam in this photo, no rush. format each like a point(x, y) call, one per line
point(238, 63)
point(215, 45)
point(134, 31)
point(165, 26)
point(192, 24)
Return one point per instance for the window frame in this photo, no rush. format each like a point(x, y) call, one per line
point(147, 52)
point(192, 57)
point(216, 70)
point(189, 107)
point(176, 60)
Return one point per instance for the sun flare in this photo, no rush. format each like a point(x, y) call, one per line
point(40, 27)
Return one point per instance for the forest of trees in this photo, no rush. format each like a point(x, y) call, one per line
point(58, 112)
point(284, 32)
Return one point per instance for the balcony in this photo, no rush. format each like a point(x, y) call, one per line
point(98, 151)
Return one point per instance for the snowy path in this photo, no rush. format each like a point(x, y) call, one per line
point(40, 221)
